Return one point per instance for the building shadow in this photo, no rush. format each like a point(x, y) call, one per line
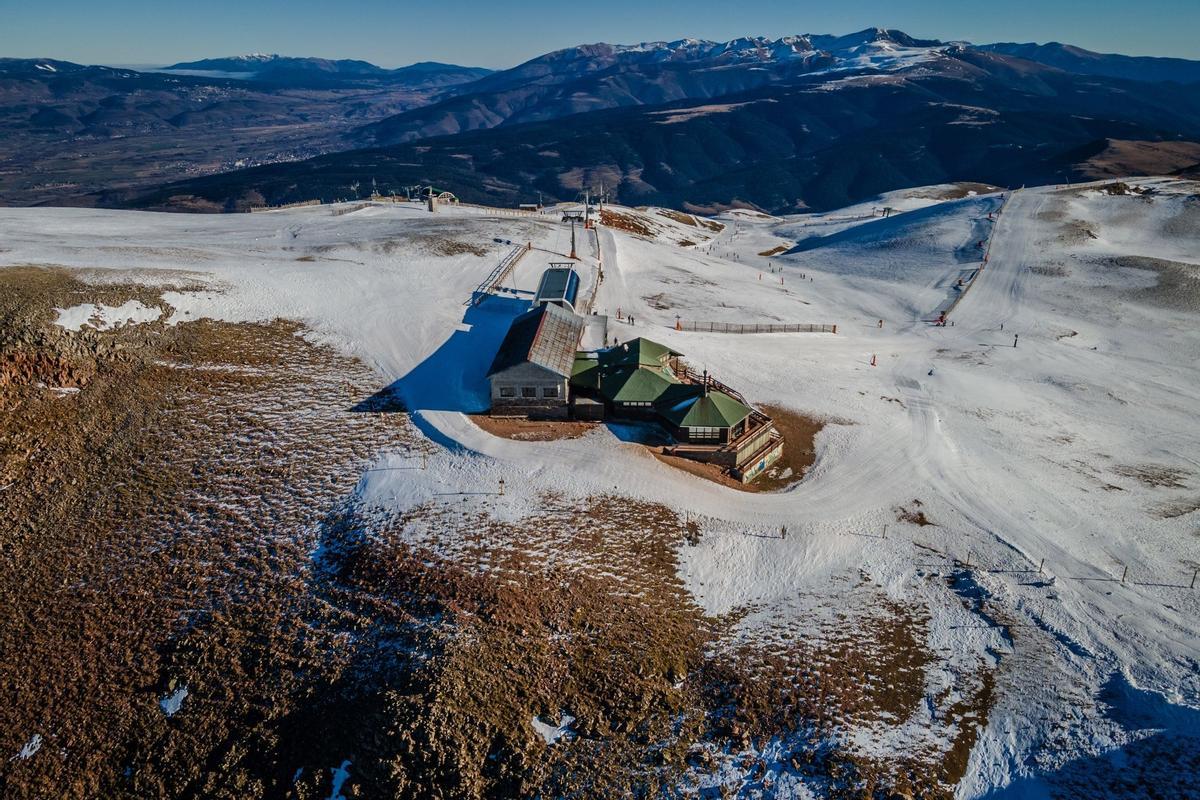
point(453, 377)
point(636, 432)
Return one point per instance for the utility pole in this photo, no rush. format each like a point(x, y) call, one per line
point(573, 256)
point(587, 209)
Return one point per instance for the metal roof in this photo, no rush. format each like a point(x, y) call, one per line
point(585, 372)
point(558, 284)
point(546, 336)
point(635, 352)
point(635, 384)
point(711, 410)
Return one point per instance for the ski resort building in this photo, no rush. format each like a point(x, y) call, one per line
point(539, 372)
point(531, 372)
point(644, 380)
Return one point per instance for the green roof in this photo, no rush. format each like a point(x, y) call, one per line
point(712, 410)
point(635, 384)
point(585, 372)
point(641, 352)
point(678, 394)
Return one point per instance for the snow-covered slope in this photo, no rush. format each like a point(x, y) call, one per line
point(1049, 432)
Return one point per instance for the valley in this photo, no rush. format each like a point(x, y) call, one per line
point(82, 135)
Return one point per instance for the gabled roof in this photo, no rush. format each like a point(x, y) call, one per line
point(585, 372)
point(712, 410)
point(635, 352)
point(677, 394)
point(635, 384)
point(546, 336)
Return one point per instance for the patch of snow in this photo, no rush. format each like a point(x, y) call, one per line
point(552, 733)
point(102, 317)
point(172, 702)
point(31, 747)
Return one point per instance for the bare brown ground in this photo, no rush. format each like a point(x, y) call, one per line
point(913, 513)
point(678, 216)
point(529, 430)
point(153, 528)
point(774, 251)
point(709, 472)
point(799, 448)
point(799, 453)
point(579, 610)
point(1126, 157)
point(625, 222)
point(957, 191)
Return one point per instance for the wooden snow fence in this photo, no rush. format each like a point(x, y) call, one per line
point(756, 327)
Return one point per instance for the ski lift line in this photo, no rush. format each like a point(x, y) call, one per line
point(986, 255)
point(496, 277)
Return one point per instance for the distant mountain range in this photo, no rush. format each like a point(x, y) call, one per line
point(805, 121)
point(599, 76)
point(68, 130)
point(781, 125)
point(1084, 62)
point(289, 70)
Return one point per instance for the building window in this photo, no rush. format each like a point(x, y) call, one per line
point(550, 391)
point(528, 391)
point(508, 391)
point(704, 433)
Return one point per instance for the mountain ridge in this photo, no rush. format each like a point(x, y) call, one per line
point(1113, 65)
point(307, 70)
point(813, 144)
point(590, 77)
point(121, 118)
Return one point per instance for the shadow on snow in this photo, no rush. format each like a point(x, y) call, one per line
point(453, 377)
point(1159, 761)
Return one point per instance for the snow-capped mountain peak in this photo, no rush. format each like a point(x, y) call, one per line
point(873, 47)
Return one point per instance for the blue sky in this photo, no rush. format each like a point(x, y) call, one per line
point(494, 33)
